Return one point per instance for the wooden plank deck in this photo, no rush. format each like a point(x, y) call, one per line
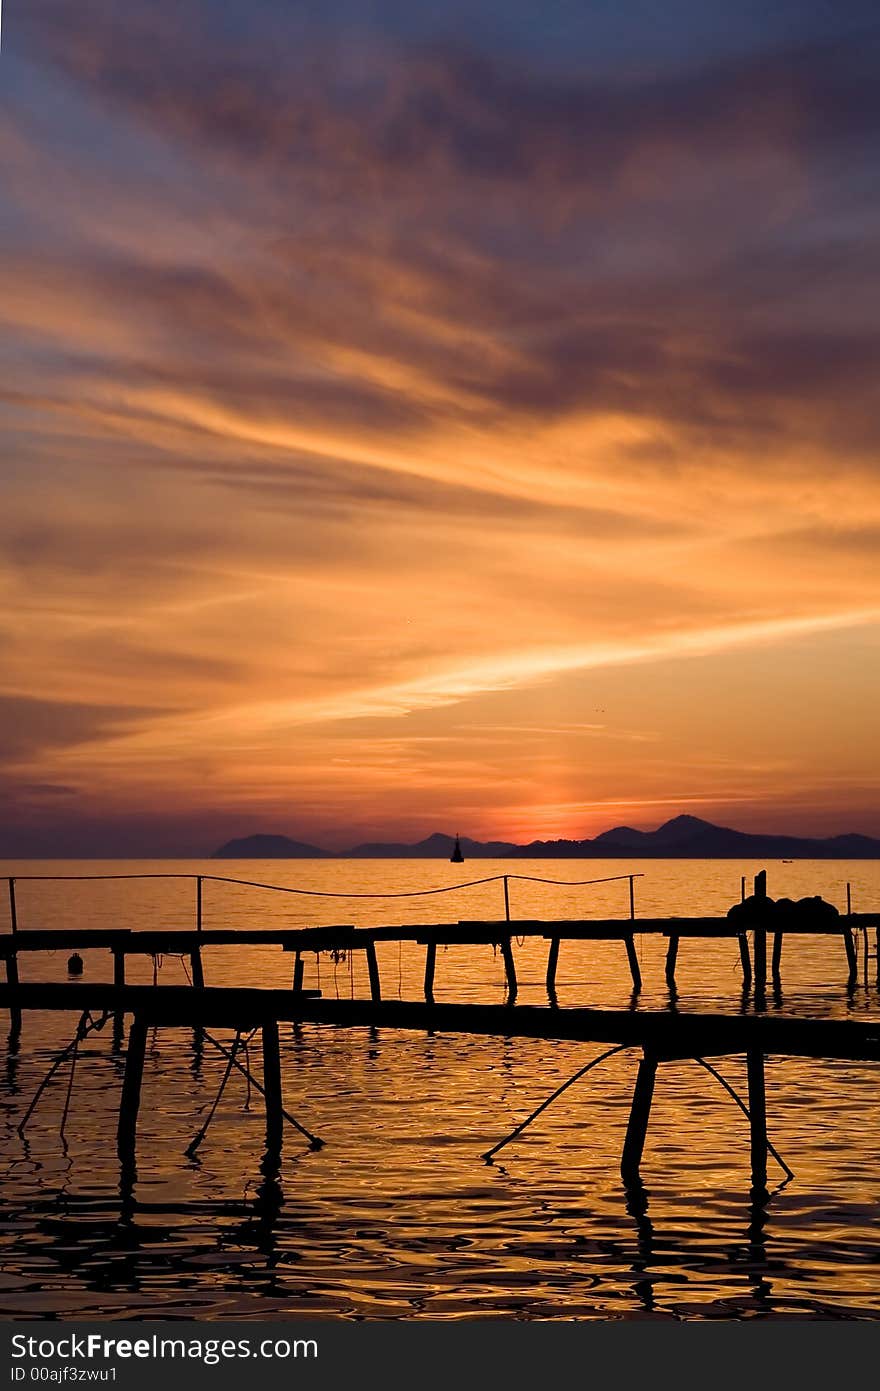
point(667, 1032)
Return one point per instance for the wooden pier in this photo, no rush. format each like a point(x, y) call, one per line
point(190, 945)
point(662, 1036)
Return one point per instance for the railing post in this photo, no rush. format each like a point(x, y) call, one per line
point(632, 896)
point(198, 903)
point(13, 916)
point(506, 901)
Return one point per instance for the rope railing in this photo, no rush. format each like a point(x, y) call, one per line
point(200, 879)
point(320, 893)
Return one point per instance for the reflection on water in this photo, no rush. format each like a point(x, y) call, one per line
point(398, 1216)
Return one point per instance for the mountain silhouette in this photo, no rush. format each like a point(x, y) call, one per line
point(438, 845)
point(265, 847)
point(682, 837)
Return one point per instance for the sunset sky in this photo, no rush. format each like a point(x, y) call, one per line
point(456, 417)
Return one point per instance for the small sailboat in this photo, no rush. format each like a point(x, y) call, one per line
point(456, 858)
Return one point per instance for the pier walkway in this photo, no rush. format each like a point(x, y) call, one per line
point(661, 1035)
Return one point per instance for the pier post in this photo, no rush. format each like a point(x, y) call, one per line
point(12, 982)
point(745, 958)
point(506, 901)
point(373, 968)
point(430, 963)
point(777, 955)
point(633, 960)
point(272, 1086)
point(640, 1114)
point(118, 967)
point(13, 915)
point(298, 968)
point(757, 1117)
point(760, 933)
point(198, 974)
point(552, 962)
point(509, 968)
point(198, 903)
point(851, 960)
point(671, 958)
point(632, 896)
point(131, 1089)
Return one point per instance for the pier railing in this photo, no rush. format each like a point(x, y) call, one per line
point(199, 880)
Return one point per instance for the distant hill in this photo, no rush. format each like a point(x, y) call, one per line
point(687, 837)
point(435, 846)
point(268, 848)
point(683, 837)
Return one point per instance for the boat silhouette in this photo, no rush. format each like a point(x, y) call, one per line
point(457, 858)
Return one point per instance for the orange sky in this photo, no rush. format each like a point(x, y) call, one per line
point(409, 447)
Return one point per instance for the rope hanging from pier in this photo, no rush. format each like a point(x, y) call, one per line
point(85, 1026)
point(314, 1140)
point(789, 1173)
point(488, 1156)
point(191, 1148)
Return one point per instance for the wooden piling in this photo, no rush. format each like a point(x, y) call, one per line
point(671, 958)
point(13, 914)
point(373, 969)
point(633, 960)
point(632, 897)
point(198, 973)
point(430, 963)
point(760, 933)
point(552, 962)
point(757, 1116)
point(777, 954)
point(131, 1089)
point(198, 903)
point(745, 958)
point(298, 969)
point(272, 1086)
point(640, 1114)
point(12, 982)
point(119, 968)
point(509, 967)
point(851, 959)
point(506, 900)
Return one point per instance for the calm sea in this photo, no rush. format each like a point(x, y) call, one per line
point(397, 1217)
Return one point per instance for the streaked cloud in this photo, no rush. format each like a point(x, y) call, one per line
point(355, 376)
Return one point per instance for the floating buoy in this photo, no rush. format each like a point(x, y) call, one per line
point(75, 964)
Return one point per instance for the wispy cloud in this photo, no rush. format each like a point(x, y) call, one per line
point(352, 377)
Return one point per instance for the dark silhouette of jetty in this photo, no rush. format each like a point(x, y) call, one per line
point(661, 1036)
point(683, 837)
